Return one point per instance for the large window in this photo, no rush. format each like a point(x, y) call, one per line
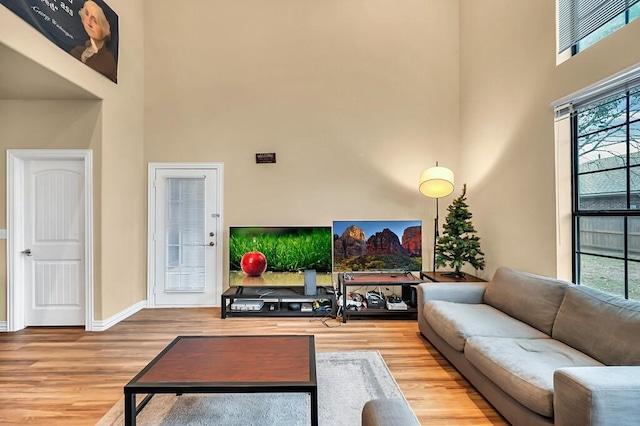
point(582, 23)
point(606, 205)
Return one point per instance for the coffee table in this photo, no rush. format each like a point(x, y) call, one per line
point(228, 364)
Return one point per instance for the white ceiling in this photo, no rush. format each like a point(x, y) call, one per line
point(23, 79)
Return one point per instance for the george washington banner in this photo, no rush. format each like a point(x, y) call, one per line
point(88, 30)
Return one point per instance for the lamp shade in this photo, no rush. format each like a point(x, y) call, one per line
point(436, 182)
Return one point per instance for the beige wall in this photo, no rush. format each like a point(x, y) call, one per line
point(355, 98)
point(113, 128)
point(508, 79)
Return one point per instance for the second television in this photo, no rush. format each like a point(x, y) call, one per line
point(377, 246)
point(277, 256)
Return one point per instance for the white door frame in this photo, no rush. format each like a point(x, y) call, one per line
point(151, 220)
point(15, 229)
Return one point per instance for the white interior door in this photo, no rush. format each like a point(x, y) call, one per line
point(186, 237)
point(54, 238)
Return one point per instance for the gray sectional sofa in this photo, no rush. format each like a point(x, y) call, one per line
point(542, 351)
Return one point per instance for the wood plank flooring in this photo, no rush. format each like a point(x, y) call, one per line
point(66, 376)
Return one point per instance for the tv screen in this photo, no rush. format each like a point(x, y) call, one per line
point(392, 245)
point(278, 256)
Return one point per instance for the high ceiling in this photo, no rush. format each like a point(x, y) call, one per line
point(23, 79)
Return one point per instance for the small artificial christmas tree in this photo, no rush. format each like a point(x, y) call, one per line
point(459, 245)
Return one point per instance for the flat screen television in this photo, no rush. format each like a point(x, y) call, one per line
point(273, 256)
point(368, 246)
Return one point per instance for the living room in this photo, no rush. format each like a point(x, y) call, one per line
point(355, 98)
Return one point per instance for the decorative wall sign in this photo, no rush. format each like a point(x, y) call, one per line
point(88, 30)
point(266, 158)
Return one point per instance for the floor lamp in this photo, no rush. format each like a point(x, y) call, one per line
point(436, 182)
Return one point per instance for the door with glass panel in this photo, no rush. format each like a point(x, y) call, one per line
point(186, 237)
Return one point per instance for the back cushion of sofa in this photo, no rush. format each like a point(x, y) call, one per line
point(603, 326)
point(532, 299)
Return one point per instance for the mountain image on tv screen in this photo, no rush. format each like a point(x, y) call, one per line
point(278, 256)
point(377, 246)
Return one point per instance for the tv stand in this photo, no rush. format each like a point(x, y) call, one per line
point(359, 280)
point(276, 302)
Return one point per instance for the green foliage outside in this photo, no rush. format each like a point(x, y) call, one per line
point(459, 245)
point(373, 262)
point(285, 252)
point(607, 275)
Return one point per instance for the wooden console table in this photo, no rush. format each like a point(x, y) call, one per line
point(445, 277)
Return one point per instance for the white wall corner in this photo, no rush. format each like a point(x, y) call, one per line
point(120, 316)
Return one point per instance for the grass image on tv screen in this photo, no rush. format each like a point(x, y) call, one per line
point(286, 249)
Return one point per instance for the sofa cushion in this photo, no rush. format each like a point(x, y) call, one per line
point(603, 326)
point(456, 322)
point(530, 298)
point(523, 368)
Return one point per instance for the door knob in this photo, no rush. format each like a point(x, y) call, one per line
point(26, 252)
point(212, 243)
point(211, 234)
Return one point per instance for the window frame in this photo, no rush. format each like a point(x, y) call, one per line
point(578, 213)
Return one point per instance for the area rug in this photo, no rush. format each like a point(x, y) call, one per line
point(346, 381)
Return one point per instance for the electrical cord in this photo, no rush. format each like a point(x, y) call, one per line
point(265, 292)
point(324, 320)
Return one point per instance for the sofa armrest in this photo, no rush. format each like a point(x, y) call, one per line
point(388, 412)
point(596, 395)
point(451, 292)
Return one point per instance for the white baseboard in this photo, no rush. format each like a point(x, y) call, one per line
point(120, 316)
point(105, 324)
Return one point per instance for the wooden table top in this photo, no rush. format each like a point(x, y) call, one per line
point(449, 277)
point(380, 278)
point(233, 360)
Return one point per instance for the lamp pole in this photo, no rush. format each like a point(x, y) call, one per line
point(435, 239)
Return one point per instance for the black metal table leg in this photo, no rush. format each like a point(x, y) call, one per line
point(314, 407)
point(130, 409)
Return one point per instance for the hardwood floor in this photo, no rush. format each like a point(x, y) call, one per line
point(53, 376)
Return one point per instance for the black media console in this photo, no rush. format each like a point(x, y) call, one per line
point(359, 280)
point(247, 301)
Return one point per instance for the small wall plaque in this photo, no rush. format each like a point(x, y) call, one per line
point(265, 158)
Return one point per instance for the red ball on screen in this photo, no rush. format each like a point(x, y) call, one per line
point(253, 263)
